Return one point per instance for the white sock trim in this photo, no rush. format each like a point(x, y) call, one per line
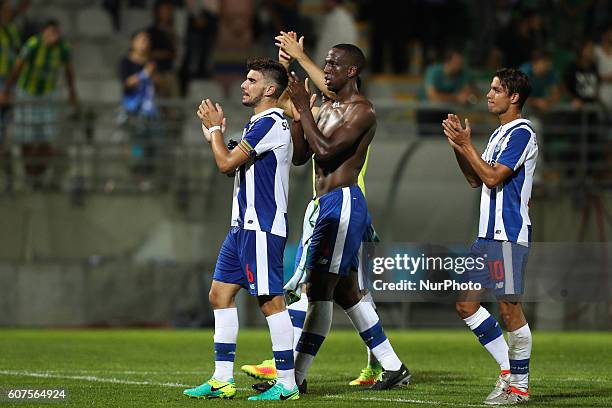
point(362, 315)
point(477, 318)
point(520, 343)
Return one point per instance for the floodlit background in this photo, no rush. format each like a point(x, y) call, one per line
point(114, 218)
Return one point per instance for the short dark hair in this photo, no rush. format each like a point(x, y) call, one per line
point(515, 81)
point(50, 22)
point(272, 70)
point(539, 54)
point(450, 51)
point(138, 32)
point(355, 55)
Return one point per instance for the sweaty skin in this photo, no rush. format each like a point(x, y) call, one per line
point(339, 140)
point(340, 136)
point(343, 169)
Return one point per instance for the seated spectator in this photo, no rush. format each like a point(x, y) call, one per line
point(446, 82)
point(137, 72)
point(603, 58)
point(449, 81)
point(164, 49)
point(581, 78)
point(36, 71)
point(544, 81)
point(545, 93)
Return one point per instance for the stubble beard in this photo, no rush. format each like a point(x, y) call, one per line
point(252, 103)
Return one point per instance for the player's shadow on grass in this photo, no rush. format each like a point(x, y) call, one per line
point(568, 395)
point(331, 385)
point(435, 377)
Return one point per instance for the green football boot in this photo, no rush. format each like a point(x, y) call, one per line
point(277, 393)
point(213, 389)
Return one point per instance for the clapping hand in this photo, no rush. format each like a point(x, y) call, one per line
point(211, 115)
point(283, 57)
point(313, 97)
point(456, 134)
point(290, 45)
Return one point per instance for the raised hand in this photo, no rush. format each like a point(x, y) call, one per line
point(290, 45)
point(456, 134)
point(284, 58)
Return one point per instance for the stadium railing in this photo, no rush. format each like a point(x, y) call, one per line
point(101, 149)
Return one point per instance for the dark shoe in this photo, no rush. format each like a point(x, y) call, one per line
point(389, 379)
point(263, 386)
point(303, 387)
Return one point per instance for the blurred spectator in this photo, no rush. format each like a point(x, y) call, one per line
point(234, 41)
point(10, 43)
point(202, 26)
point(544, 81)
point(603, 58)
point(581, 78)
point(164, 48)
point(448, 81)
point(337, 27)
point(140, 114)
point(582, 84)
point(36, 72)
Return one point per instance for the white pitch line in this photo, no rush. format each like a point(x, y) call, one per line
point(124, 372)
point(94, 378)
point(404, 400)
point(91, 378)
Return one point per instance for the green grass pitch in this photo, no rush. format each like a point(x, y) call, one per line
point(150, 368)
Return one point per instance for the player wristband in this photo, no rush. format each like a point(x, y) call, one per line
point(213, 128)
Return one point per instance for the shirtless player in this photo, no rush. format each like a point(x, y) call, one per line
point(339, 139)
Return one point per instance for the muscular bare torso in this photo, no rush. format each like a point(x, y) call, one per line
point(342, 170)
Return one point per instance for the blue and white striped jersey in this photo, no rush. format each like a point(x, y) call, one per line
point(504, 210)
point(261, 185)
